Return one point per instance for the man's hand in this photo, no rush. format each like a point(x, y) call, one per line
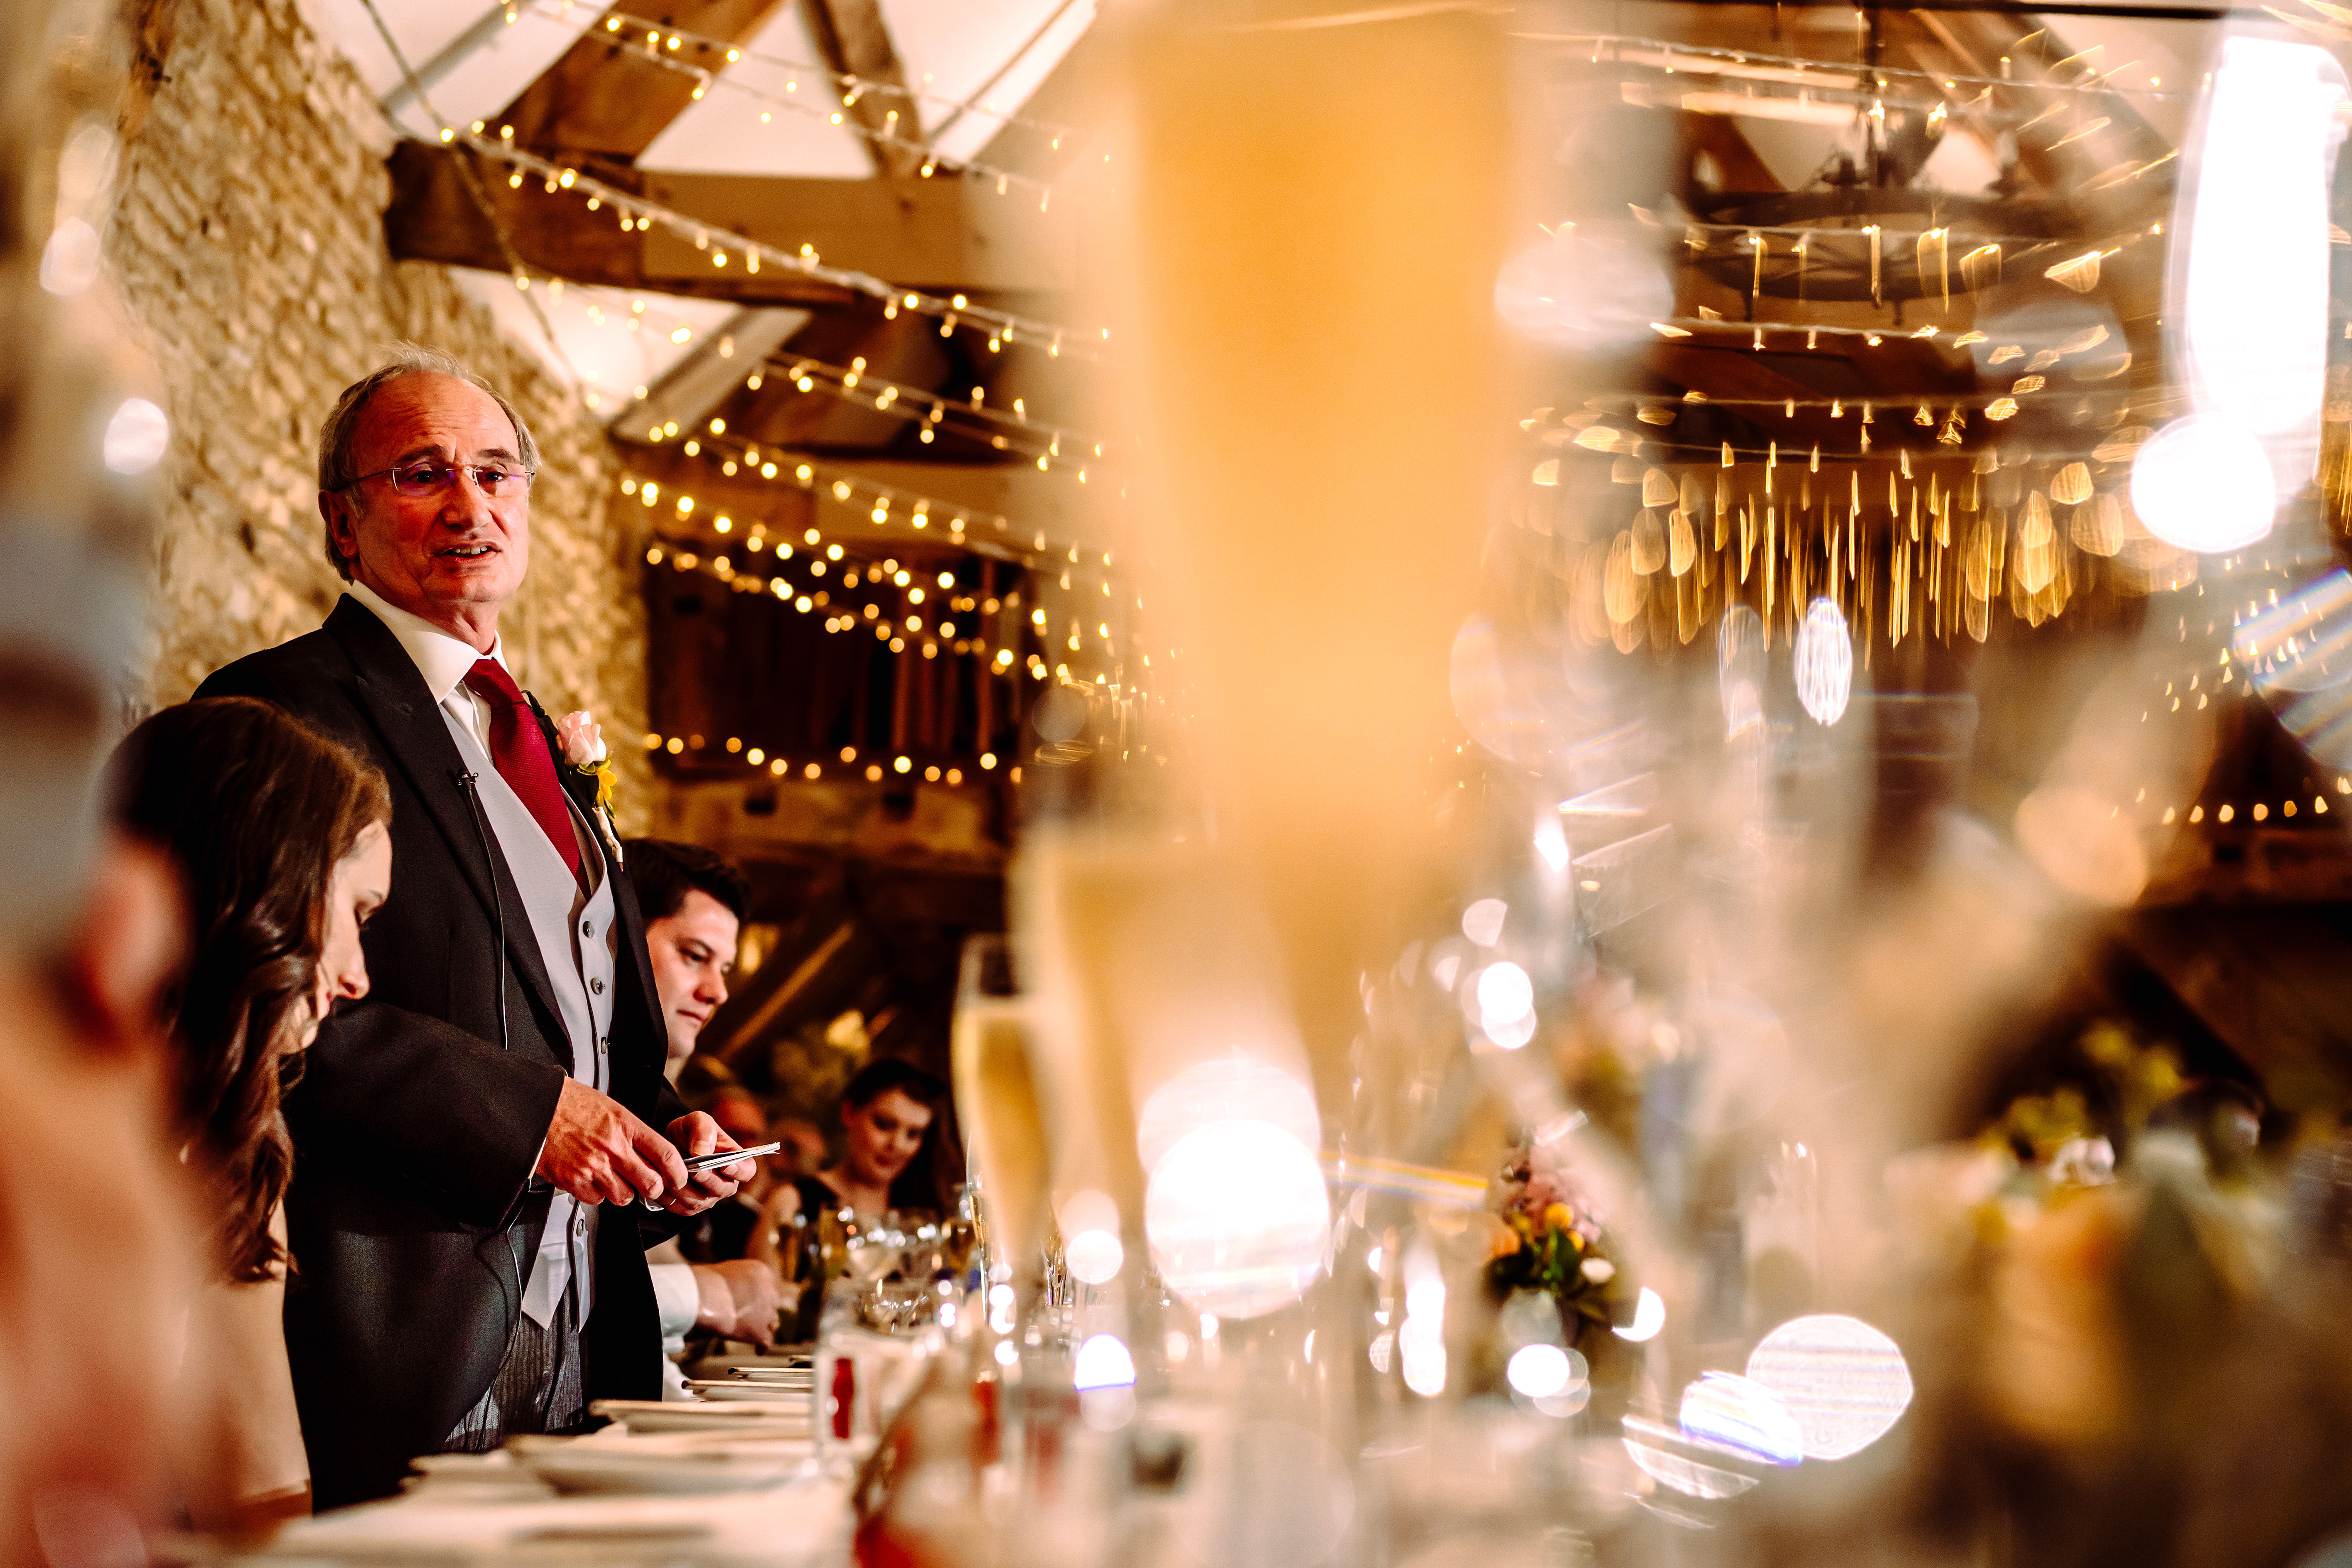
point(700, 1135)
point(599, 1153)
point(738, 1300)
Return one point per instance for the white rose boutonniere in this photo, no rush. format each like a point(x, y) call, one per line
point(582, 741)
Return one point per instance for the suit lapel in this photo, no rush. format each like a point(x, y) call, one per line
point(388, 687)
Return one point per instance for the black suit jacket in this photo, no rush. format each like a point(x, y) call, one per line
point(415, 1132)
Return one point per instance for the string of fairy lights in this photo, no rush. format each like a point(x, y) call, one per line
point(1070, 569)
point(1956, 535)
point(884, 502)
point(1002, 427)
point(840, 91)
point(1949, 425)
point(725, 247)
point(1686, 59)
point(931, 633)
point(1003, 430)
point(1947, 550)
point(931, 614)
point(1937, 536)
point(2077, 270)
point(1590, 428)
point(1975, 269)
point(2246, 586)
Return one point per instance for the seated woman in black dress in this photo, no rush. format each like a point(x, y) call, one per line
point(891, 1116)
point(890, 1156)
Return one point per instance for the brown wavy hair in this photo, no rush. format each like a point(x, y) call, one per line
point(929, 1180)
point(254, 809)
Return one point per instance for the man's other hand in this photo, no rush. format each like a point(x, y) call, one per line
point(699, 1134)
point(737, 1300)
point(599, 1153)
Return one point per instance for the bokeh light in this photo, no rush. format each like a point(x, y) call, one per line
point(1421, 1339)
point(2299, 653)
point(1824, 662)
point(1482, 922)
point(2203, 483)
point(1649, 1317)
point(1656, 1449)
point(2303, 643)
point(2253, 256)
point(1512, 1033)
point(1844, 1383)
point(72, 259)
point(1744, 1415)
point(1104, 1376)
point(1740, 669)
point(136, 437)
point(1422, 1348)
point(1236, 1214)
point(1095, 1257)
point(1224, 1089)
point(1539, 1371)
point(1573, 1395)
point(1103, 1361)
point(1505, 994)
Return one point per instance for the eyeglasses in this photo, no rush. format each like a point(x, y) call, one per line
point(430, 476)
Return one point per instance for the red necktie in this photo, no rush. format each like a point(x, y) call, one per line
point(518, 749)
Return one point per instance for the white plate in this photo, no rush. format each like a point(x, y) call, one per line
point(762, 1417)
point(581, 1468)
point(751, 1392)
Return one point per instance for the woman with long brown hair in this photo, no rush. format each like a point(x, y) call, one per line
point(280, 840)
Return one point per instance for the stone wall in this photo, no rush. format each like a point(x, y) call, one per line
point(247, 241)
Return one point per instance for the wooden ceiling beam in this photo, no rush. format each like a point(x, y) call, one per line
point(854, 40)
point(942, 235)
point(851, 38)
point(435, 215)
point(603, 100)
point(907, 351)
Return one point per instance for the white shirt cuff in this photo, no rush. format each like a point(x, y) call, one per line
point(677, 1300)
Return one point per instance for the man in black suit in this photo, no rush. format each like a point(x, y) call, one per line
point(457, 1131)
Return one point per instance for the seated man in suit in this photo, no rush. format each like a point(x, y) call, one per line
point(693, 902)
point(473, 1140)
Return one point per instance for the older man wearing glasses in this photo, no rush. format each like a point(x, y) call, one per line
point(474, 1139)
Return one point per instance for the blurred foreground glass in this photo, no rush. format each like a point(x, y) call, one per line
point(997, 1105)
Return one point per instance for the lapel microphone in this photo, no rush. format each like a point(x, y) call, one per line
point(470, 786)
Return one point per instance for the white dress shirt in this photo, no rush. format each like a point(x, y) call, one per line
point(678, 1300)
point(443, 661)
point(571, 919)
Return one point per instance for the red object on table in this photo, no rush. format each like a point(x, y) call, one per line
point(844, 1394)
